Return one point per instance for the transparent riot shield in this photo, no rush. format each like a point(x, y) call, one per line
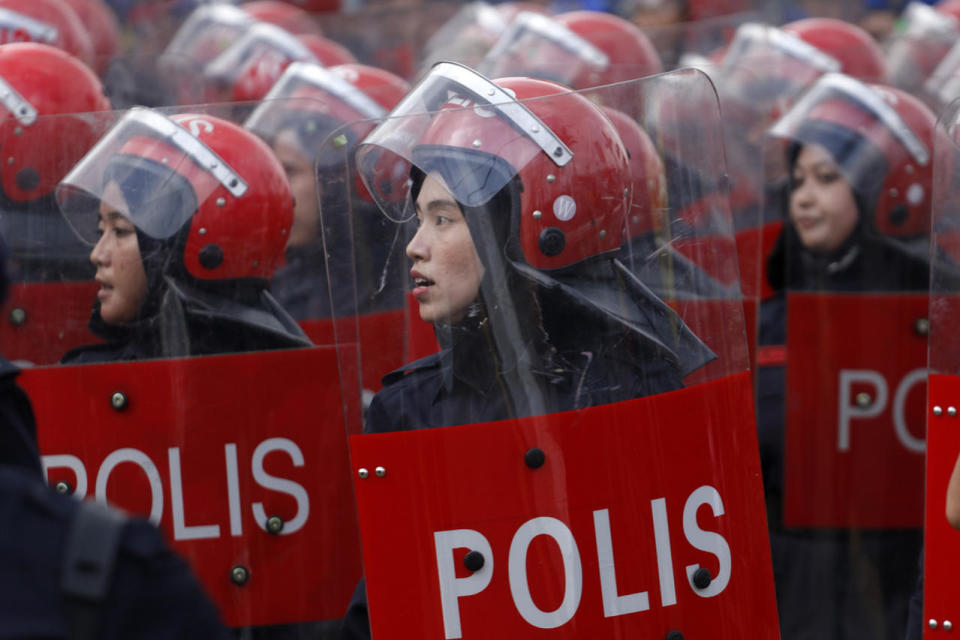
point(841, 417)
point(924, 37)
point(940, 612)
point(194, 399)
point(497, 481)
point(762, 71)
point(306, 105)
point(391, 37)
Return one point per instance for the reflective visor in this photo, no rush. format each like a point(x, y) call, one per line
point(538, 46)
point(453, 111)
point(16, 27)
point(261, 41)
point(839, 101)
point(309, 80)
point(208, 31)
point(149, 156)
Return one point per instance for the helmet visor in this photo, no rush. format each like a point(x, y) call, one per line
point(148, 155)
point(538, 46)
point(840, 104)
point(462, 109)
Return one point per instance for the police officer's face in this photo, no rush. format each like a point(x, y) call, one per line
point(822, 206)
point(446, 270)
point(120, 274)
point(299, 168)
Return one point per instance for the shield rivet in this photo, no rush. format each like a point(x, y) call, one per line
point(933, 624)
point(534, 458)
point(202, 231)
point(702, 578)
point(63, 488)
point(18, 131)
point(674, 635)
point(864, 400)
point(380, 471)
point(947, 625)
point(239, 575)
point(537, 215)
point(473, 561)
point(476, 144)
point(937, 411)
point(952, 412)
point(922, 326)
point(18, 316)
point(221, 202)
point(274, 524)
point(363, 473)
point(118, 400)
point(551, 178)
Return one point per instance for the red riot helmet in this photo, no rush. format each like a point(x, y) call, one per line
point(101, 24)
point(568, 192)
point(252, 64)
point(206, 33)
point(204, 187)
point(50, 22)
point(881, 139)
point(313, 101)
point(629, 50)
point(580, 49)
point(326, 51)
point(919, 45)
point(286, 15)
point(648, 193)
point(949, 7)
point(38, 81)
point(857, 52)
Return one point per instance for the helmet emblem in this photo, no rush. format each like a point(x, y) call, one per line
point(564, 207)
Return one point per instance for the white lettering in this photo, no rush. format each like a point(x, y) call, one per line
point(180, 530)
point(848, 411)
point(517, 571)
point(613, 603)
point(143, 461)
point(906, 438)
point(453, 588)
point(708, 541)
point(280, 485)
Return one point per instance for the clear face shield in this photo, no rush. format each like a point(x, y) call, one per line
point(918, 47)
point(263, 46)
point(143, 154)
point(501, 180)
point(538, 46)
point(205, 34)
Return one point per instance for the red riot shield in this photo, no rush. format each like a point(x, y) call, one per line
point(869, 388)
point(942, 538)
point(236, 447)
point(539, 523)
point(255, 494)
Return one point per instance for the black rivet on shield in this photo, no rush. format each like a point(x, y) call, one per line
point(239, 575)
point(535, 458)
point(473, 561)
point(211, 256)
point(28, 179)
point(702, 578)
point(723, 183)
point(118, 401)
point(274, 524)
point(552, 241)
point(63, 488)
point(674, 635)
point(558, 152)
